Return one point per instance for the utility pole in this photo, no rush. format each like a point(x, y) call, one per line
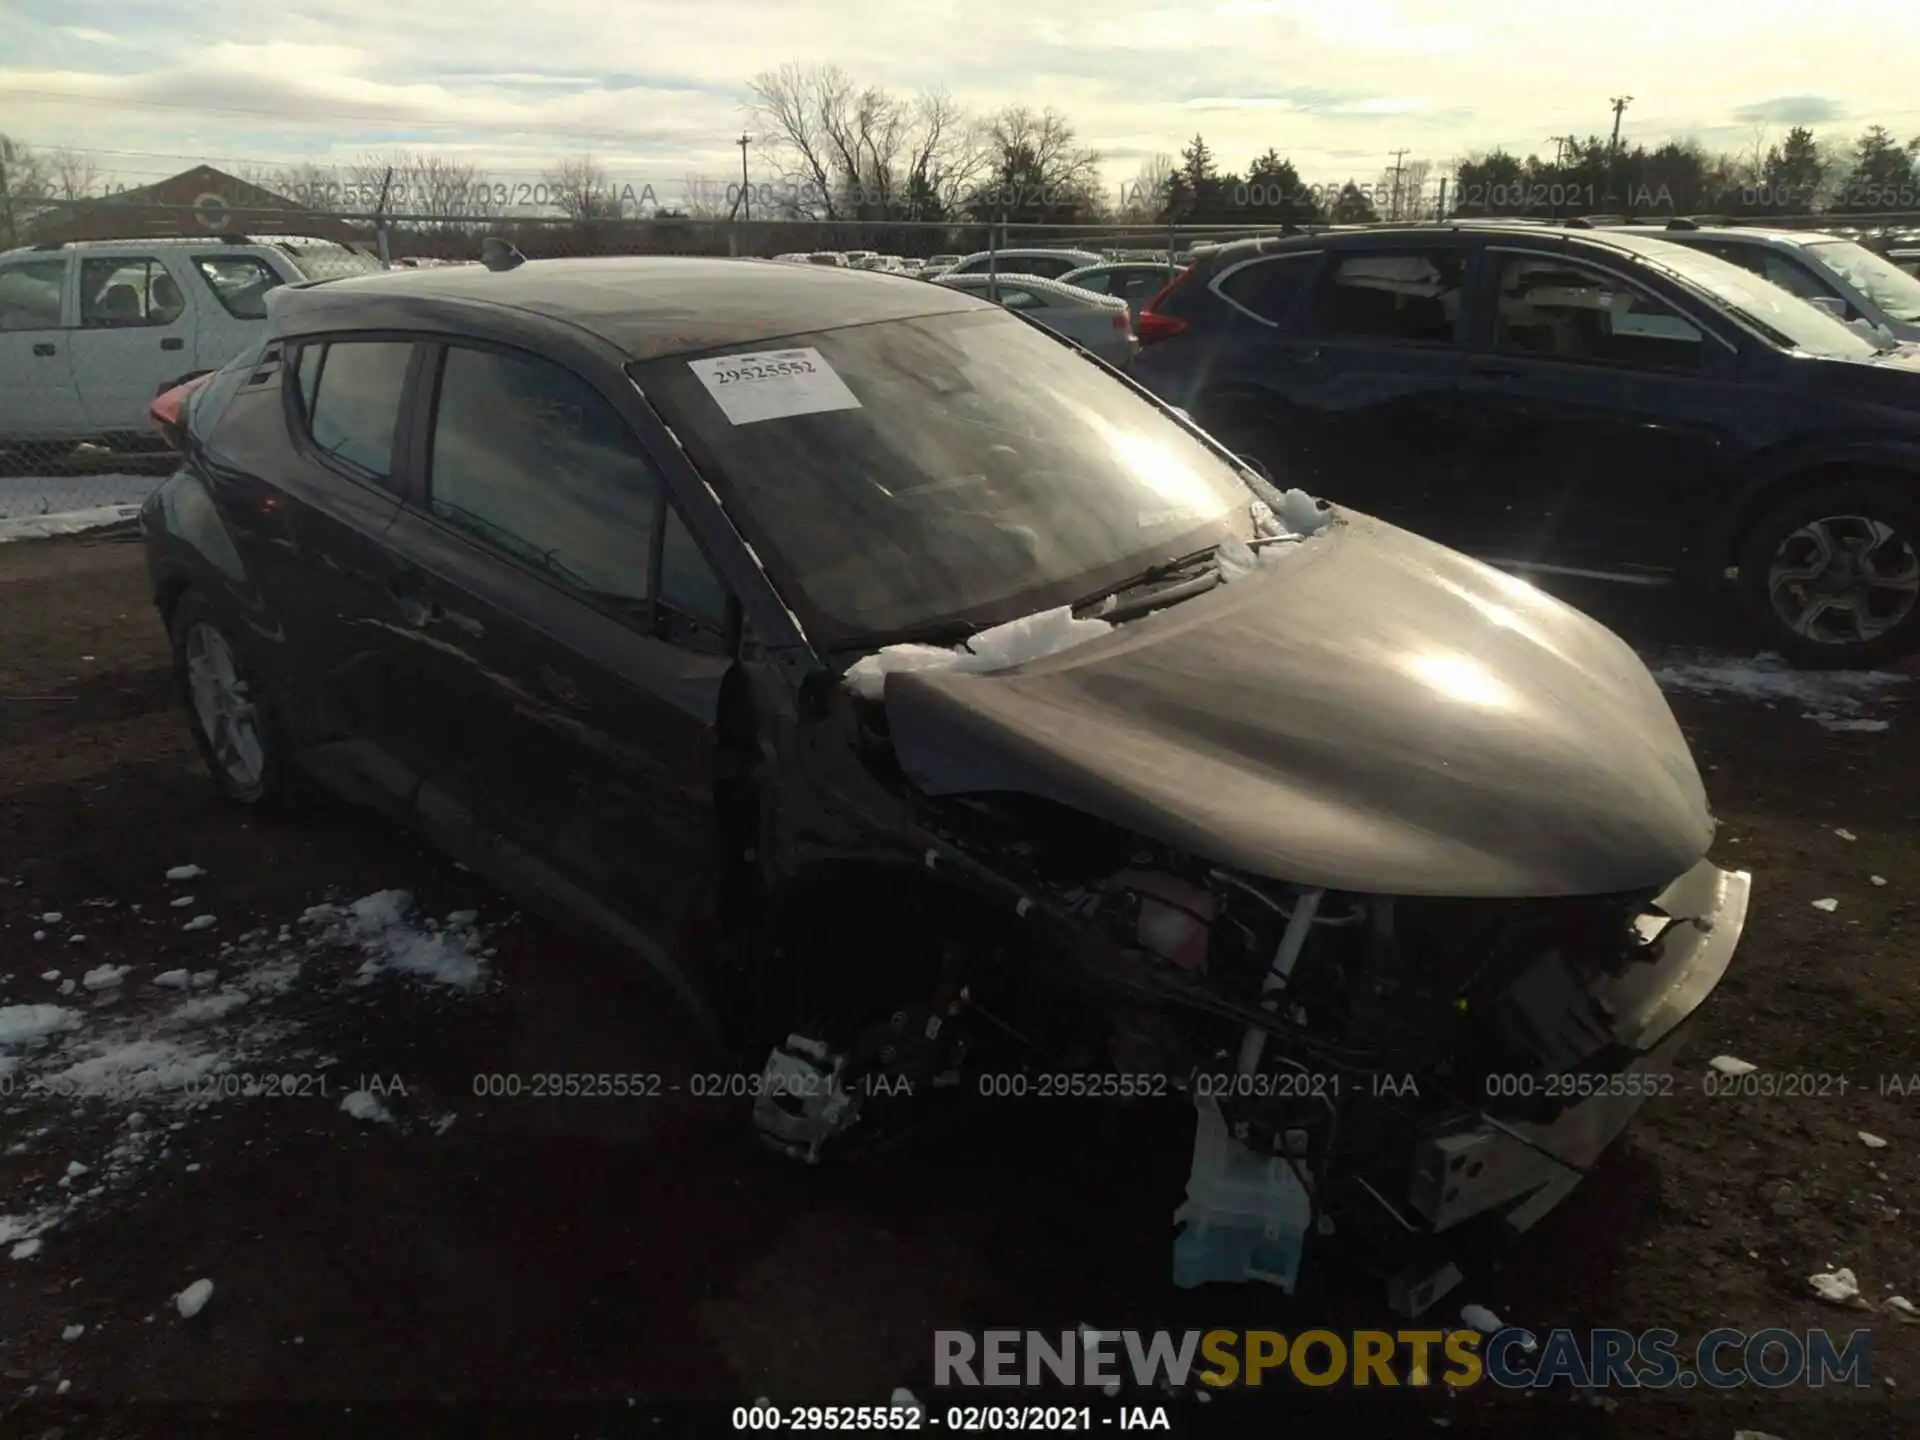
point(6, 195)
point(1399, 157)
point(746, 201)
point(379, 217)
point(1620, 103)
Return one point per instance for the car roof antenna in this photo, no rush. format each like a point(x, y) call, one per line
point(498, 254)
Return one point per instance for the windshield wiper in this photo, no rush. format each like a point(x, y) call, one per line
point(1166, 570)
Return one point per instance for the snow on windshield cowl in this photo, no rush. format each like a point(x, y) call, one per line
point(1047, 632)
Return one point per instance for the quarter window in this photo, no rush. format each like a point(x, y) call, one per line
point(239, 282)
point(1564, 311)
point(1269, 288)
point(352, 391)
point(1409, 297)
point(531, 459)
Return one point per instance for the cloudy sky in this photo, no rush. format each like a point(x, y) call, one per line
point(654, 88)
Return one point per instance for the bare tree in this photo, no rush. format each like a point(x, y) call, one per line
point(1037, 163)
point(946, 154)
point(1402, 190)
point(444, 193)
point(852, 151)
point(582, 190)
point(72, 174)
point(704, 199)
point(790, 107)
point(1752, 162)
point(25, 188)
point(1141, 198)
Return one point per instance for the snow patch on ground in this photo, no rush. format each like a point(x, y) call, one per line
point(30, 510)
point(1031, 637)
point(192, 1300)
point(381, 927)
point(362, 1105)
point(187, 1041)
point(1833, 699)
point(22, 1024)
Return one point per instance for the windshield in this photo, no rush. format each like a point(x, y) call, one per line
point(970, 470)
point(1881, 281)
point(331, 262)
point(1784, 318)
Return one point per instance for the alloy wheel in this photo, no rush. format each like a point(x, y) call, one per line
point(224, 707)
point(1843, 579)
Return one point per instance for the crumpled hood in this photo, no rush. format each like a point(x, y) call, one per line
point(1377, 714)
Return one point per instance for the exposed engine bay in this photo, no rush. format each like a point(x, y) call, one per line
point(1414, 1064)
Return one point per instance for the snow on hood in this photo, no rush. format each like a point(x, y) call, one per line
point(1031, 637)
point(1048, 632)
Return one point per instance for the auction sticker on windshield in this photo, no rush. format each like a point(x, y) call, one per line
point(772, 384)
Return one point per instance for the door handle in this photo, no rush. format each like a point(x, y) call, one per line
point(173, 342)
point(1309, 356)
point(1498, 372)
point(45, 347)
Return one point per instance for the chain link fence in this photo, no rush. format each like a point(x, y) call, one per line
point(91, 331)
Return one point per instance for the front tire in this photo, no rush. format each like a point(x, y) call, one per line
point(1830, 576)
point(228, 710)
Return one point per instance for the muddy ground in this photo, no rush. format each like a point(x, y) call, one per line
point(643, 1254)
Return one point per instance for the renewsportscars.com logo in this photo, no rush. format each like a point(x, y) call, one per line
point(1511, 1358)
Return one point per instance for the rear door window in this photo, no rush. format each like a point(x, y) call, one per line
point(126, 291)
point(1405, 297)
point(351, 391)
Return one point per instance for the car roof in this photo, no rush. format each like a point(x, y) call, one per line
point(645, 306)
point(204, 242)
point(1681, 234)
point(1023, 251)
point(1046, 286)
point(1645, 243)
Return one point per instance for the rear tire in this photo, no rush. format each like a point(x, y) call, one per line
point(1830, 576)
point(229, 711)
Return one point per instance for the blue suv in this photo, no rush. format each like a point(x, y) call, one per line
point(1554, 400)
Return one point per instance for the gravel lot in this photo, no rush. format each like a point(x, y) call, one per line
point(426, 1243)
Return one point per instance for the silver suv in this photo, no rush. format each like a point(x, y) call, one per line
point(1841, 276)
point(91, 330)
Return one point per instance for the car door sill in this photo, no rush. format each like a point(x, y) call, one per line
point(1618, 577)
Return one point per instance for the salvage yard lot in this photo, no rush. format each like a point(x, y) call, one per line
point(431, 1242)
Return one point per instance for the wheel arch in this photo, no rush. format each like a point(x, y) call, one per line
point(1884, 464)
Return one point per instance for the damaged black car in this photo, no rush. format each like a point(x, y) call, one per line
point(728, 609)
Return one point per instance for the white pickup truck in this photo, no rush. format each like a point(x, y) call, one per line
point(91, 330)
